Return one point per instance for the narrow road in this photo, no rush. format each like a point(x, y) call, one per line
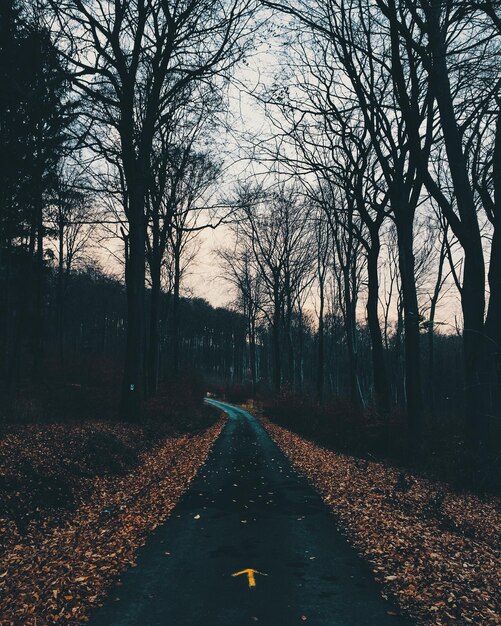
point(247, 508)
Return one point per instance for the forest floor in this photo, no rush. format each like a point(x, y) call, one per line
point(436, 552)
point(77, 501)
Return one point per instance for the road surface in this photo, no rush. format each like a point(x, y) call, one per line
point(247, 509)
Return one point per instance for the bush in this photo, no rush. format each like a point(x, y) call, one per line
point(336, 423)
point(178, 407)
point(237, 393)
point(344, 428)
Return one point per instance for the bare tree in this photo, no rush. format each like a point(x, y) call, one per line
point(458, 48)
point(179, 186)
point(277, 227)
point(323, 254)
point(129, 61)
point(71, 223)
point(194, 176)
point(240, 271)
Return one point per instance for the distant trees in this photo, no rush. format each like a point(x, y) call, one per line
point(114, 98)
point(463, 108)
point(197, 175)
point(70, 225)
point(240, 272)
point(130, 62)
point(272, 267)
point(380, 196)
point(180, 184)
point(406, 95)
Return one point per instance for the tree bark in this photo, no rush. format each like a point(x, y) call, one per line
point(290, 365)
point(39, 283)
point(277, 369)
point(252, 355)
point(60, 292)
point(350, 332)
point(473, 289)
point(404, 224)
point(153, 347)
point(321, 344)
point(493, 319)
point(175, 311)
point(132, 385)
point(381, 386)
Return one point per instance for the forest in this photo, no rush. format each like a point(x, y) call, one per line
point(289, 205)
point(363, 264)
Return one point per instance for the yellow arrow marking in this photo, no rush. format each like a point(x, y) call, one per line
point(250, 575)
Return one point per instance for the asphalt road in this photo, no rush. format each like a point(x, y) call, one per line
point(247, 508)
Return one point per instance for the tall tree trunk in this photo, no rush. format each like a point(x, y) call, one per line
point(431, 326)
point(132, 385)
point(277, 365)
point(321, 344)
point(252, 355)
point(399, 388)
point(37, 321)
point(493, 319)
point(352, 368)
point(350, 331)
point(153, 347)
point(431, 369)
point(300, 360)
point(473, 291)
point(175, 312)
point(16, 319)
point(60, 294)
point(404, 224)
point(379, 373)
point(291, 366)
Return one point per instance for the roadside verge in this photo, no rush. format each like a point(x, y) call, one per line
point(435, 552)
point(56, 575)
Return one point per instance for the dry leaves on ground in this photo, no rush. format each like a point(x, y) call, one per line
point(435, 551)
point(55, 573)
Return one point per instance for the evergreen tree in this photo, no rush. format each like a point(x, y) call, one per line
point(35, 114)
